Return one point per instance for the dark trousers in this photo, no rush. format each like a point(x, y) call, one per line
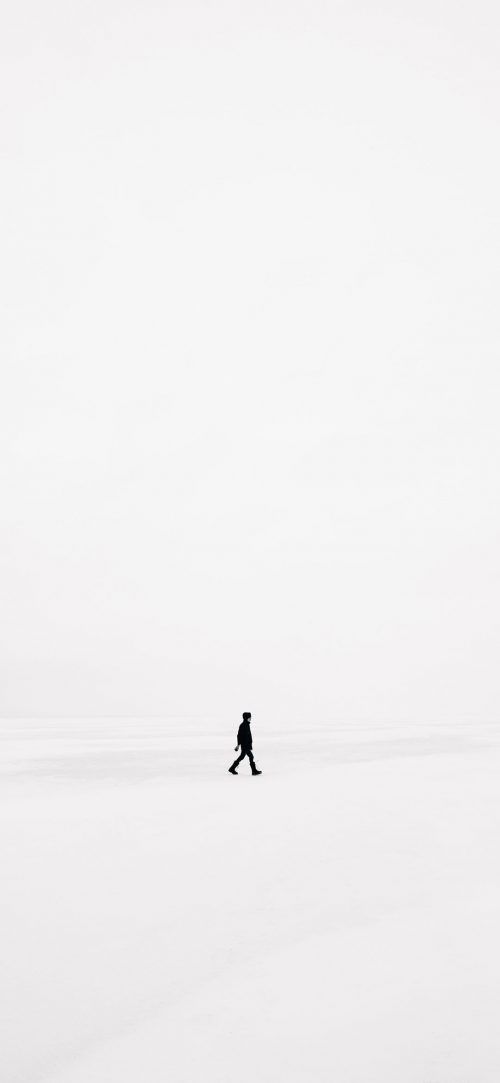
point(245, 752)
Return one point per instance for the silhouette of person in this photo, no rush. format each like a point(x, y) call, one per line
point(245, 743)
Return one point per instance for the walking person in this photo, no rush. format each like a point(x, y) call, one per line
point(245, 743)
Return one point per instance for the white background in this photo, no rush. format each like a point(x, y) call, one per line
point(249, 358)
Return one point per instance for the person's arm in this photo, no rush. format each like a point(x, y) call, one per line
point(238, 739)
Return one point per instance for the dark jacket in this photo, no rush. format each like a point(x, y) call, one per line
point(245, 737)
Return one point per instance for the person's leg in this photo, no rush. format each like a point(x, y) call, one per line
point(253, 765)
point(234, 765)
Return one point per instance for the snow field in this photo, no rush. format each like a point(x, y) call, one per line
point(334, 919)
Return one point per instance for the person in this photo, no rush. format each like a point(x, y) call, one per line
point(245, 743)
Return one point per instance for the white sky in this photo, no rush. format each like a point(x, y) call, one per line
point(250, 358)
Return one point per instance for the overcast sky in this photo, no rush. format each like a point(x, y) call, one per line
point(250, 366)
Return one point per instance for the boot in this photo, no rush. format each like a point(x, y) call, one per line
point(232, 770)
point(255, 771)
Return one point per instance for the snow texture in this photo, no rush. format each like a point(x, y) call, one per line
point(334, 919)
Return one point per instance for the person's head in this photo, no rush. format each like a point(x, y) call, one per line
point(246, 716)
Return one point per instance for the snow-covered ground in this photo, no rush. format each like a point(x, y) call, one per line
point(336, 919)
